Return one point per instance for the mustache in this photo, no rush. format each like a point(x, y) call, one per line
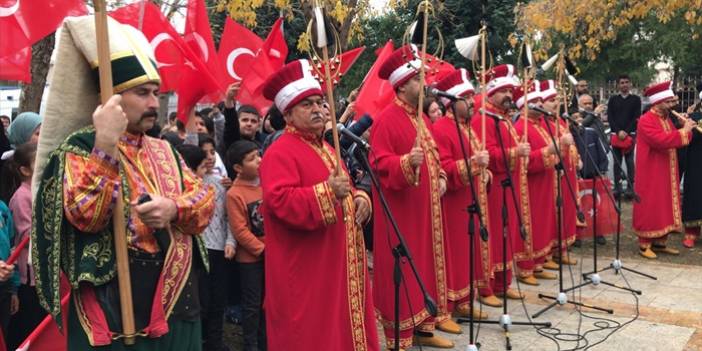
point(149, 113)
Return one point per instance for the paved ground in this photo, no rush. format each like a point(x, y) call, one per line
point(669, 313)
point(668, 317)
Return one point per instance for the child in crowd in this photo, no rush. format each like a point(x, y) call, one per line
point(246, 221)
point(9, 278)
point(219, 242)
point(220, 247)
point(17, 178)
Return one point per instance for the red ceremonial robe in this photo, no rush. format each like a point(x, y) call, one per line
point(317, 285)
point(656, 180)
point(455, 204)
point(542, 182)
point(569, 216)
point(495, 193)
point(416, 205)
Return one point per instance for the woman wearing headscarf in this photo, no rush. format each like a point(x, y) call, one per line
point(25, 128)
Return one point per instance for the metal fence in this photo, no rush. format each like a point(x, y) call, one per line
point(684, 87)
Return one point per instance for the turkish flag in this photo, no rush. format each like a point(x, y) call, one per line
point(47, 336)
point(15, 67)
point(180, 68)
point(375, 93)
point(25, 22)
point(268, 60)
point(237, 51)
point(169, 48)
point(198, 35)
point(606, 213)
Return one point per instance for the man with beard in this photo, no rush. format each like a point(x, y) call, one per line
point(571, 159)
point(458, 195)
point(657, 181)
point(531, 253)
point(499, 89)
point(582, 88)
point(407, 162)
point(167, 207)
point(317, 285)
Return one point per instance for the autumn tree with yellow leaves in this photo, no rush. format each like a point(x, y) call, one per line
point(660, 29)
point(345, 14)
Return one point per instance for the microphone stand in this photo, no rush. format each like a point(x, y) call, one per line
point(399, 251)
point(505, 320)
point(562, 298)
point(473, 211)
point(617, 264)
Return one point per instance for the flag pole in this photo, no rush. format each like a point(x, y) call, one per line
point(118, 220)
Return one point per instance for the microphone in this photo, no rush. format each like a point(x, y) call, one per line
point(570, 119)
point(357, 128)
point(349, 134)
point(581, 110)
point(443, 94)
point(540, 110)
point(493, 115)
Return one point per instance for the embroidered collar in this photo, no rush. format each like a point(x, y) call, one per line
point(310, 137)
point(132, 139)
point(411, 110)
point(494, 107)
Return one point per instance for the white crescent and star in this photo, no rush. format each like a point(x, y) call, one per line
point(231, 58)
point(156, 41)
point(201, 44)
point(9, 11)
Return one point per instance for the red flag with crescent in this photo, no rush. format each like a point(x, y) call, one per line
point(198, 35)
point(25, 22)
point(606, 213)
point(269, 59)
point(237, 51)
point(180, 68)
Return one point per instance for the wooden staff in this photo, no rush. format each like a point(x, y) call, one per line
point(322, 43)
point(525, 106)
point(483, 84)
point(422, 74)
point(118, 222)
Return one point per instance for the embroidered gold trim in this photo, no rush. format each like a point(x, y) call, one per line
point(408, 171)
point(325, 200)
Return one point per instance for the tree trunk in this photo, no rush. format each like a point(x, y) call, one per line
point(30, 99)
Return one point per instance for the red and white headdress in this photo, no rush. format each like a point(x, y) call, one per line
point(291, 84)
point(548, 89)
point(533, 94)
point(401, 66)
point(456, 83)
point(499, 77)
point(659, 92)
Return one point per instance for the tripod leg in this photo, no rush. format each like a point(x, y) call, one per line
point(639, 273)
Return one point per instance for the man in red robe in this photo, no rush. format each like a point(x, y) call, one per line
point(317, 284)
point(499, 89)
point(541, 175)
point(656, 180)
point(458, 195)
point(407, 162)
point(571, 159)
